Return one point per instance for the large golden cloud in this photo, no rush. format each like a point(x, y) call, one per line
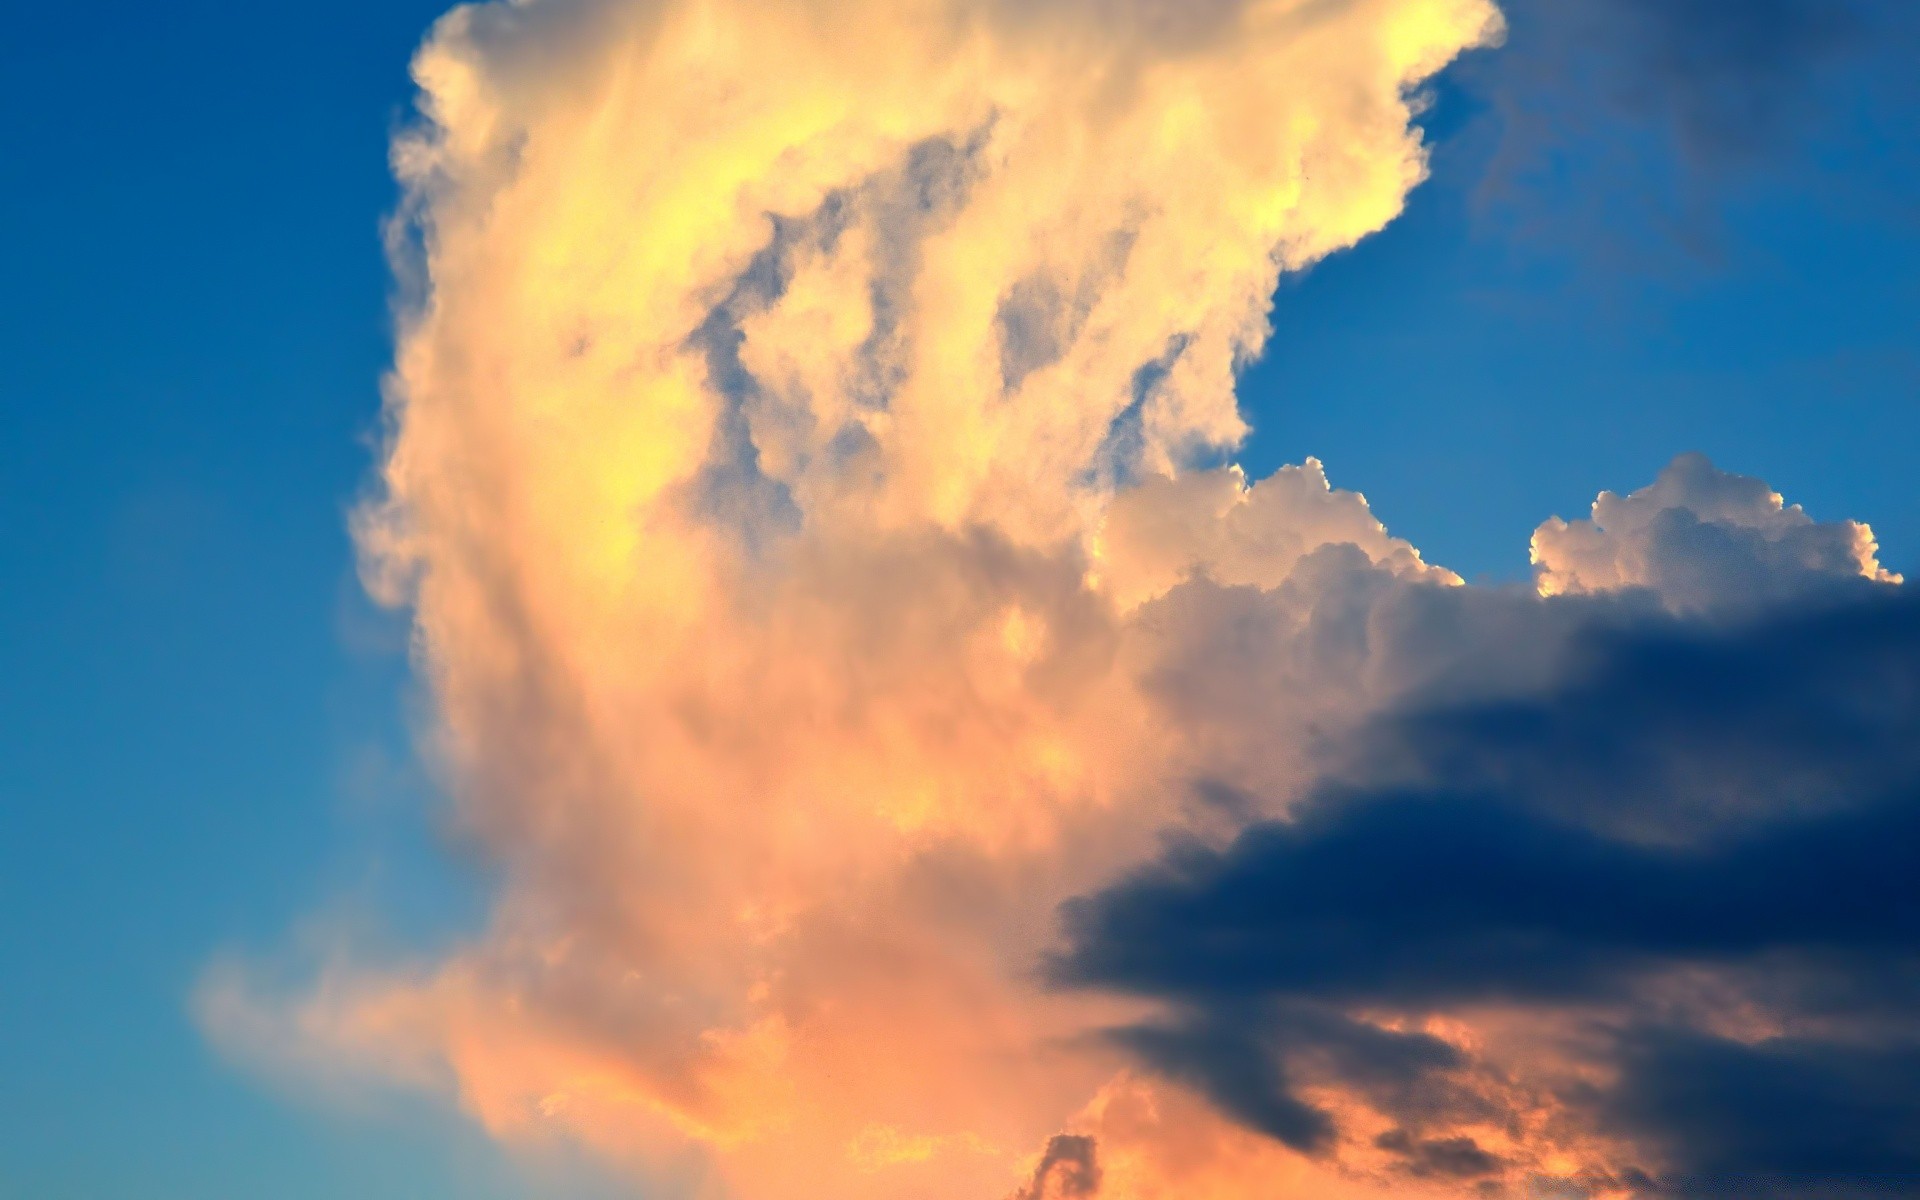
point(794, 472)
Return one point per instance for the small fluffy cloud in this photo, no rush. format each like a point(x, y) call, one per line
point(800, 477)
point(1701, 538)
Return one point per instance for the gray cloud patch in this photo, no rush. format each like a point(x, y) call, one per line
point(1631, 119)
point(1446, 1158)
point(1727, 74)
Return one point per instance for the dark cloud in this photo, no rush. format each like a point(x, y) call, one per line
point(1789, 1117)
point(1677, 732)
point(1635, 119)
point(1446, 1158)
point(1730, 76)
point(1446, 898)
point(1741, 804)
point(1726, 78)
point(1688, 793)
point(1068, 1170)
point(1250, 1057)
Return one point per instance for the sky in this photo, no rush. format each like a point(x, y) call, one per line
point(596, 772)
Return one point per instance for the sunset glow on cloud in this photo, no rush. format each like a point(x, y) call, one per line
point(917, 764)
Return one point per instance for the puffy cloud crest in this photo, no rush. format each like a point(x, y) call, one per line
point(1702, 538)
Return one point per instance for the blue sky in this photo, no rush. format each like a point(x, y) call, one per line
point(1561, 309)
point(207, 727)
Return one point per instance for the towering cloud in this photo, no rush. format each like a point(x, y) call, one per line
point(803, 474)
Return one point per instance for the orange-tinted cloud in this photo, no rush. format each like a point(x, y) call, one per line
point(793, 473)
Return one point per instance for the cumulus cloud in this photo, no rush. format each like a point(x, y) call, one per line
point(1701, 538)
point(1069, 1170)
point(1213, 523)
point(803, 475)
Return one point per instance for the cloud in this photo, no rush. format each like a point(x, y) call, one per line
point(1069, 1170)
point(1692, 828)
point(1246, 1058)
point(1455, 1157)
point(766, 376)
point(1702, 538)
point(1629, 124)
point(1164, 531)
point(1727, 76)
point(804, 474)
point(1787, 1116)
